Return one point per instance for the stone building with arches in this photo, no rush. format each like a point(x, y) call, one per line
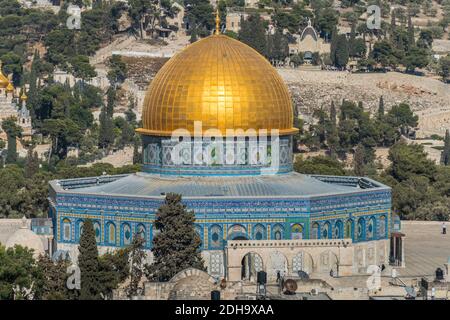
point(250, 196)
point(308, 43)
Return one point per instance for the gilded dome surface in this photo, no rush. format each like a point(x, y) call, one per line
point(221, 82)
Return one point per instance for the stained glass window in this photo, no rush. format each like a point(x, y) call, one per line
point(67, 230)
point(111, 229)
point(348, 229)
point(278, 232)
point(97, 231)
point(296, 231)
point(126, 234)
point(216, 236)
point(337, 232)
point(141, 231)
point(259, 232)
point(361, 229)
point(315, 231)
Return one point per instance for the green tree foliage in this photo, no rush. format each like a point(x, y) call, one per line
point(410, 160)
point(53, 278)
point(13, 131)
point(137, 258)
point(117, 70)
point(253, 33)
point(401, 116)
point(319, 165)
point(444, 68)
point(342, 52)
point(445, 156)
point(200, 16)
point(18, 273)
point(177, 245)
point(416, 58)
point(277, 47)
point(32, 163)
point(88, 263)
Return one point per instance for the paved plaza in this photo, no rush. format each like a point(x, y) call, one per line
point(426, 248)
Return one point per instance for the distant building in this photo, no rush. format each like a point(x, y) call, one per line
point(12, 105)
point(253, 212)
point(233, 21)
point(177, 20)
point(34, 234)
point(308, 43)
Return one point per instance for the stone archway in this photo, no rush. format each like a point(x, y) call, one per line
point(277, 262)
point(191, 284)
point(251, 264)
point(302, 261)
point(329, 262)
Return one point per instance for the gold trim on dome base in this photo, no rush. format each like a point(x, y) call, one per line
point(283, 132)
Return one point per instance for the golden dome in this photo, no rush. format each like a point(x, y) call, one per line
point(4, 81)
point(221, 82)
point(23, 97)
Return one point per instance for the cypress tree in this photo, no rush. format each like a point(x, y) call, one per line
point(88, 263)
point(393, 22)
point(12, 130)
point(177, 245)
point(445, 160)
point(358, 160)
point(352, 41)
point(380, 114)
point(341, 54)
point(106, 130)
point(253, 33)
point(31, 164)
point(136, 256)
point(411, 41)
point(333, 114)
point(332, 136)
point(110, 101)
point(32, 91)
point(137, 156)
point(333, 45)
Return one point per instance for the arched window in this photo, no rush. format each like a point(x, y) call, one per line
point(79, 228)
point(259, 232)
point(315, 231)
point(337, 231)
point(382, 229)
point(325, 233)
point(141, 232)
point(97, 231)
point(278, 232)
point(371, 228)
point(237, 232)
point(296, 231)
point(348, 229)
point(126, 234)
point(216, 236)
point(67, 230)
point(111, 233)
point(361, 229)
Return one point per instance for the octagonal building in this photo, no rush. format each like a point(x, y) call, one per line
point(217, 129)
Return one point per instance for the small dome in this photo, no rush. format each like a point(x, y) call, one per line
point(26, 238)
point(10, 87)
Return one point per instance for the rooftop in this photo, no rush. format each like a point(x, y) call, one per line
point(152, 185)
